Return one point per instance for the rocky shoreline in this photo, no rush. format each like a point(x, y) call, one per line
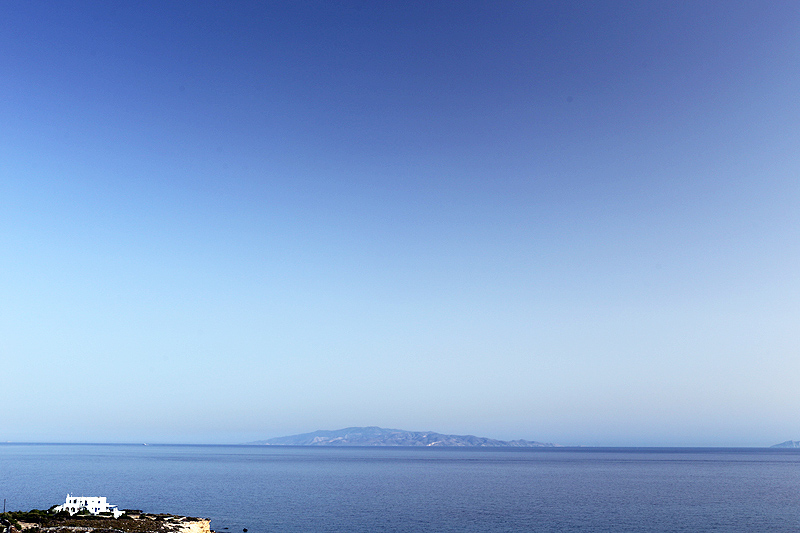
point(36, 521)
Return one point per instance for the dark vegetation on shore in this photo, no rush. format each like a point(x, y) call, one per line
point(132, 521)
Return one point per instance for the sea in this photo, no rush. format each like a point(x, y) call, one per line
point(374, 489)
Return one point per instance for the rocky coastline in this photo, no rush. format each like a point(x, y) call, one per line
point(133, 521)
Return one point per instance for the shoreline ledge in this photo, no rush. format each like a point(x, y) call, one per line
point(133, 521)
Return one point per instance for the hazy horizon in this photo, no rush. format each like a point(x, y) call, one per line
point(256, 442)
point(553, 221)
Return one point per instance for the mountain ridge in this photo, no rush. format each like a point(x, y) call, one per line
point(787, 444)
point(377, 436)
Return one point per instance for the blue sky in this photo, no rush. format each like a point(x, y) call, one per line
point(568, 222)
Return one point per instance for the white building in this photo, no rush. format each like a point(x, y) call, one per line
point(93, 504)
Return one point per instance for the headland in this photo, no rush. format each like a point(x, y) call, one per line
point(132, 521)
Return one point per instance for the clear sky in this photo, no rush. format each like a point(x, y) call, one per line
point(568, 222)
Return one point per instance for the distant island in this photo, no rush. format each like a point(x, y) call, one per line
point(787, 444)
point(375, 436)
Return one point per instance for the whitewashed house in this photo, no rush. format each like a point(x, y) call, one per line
point(93, 504)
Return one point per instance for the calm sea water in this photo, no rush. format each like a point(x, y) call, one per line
point(268, 489)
